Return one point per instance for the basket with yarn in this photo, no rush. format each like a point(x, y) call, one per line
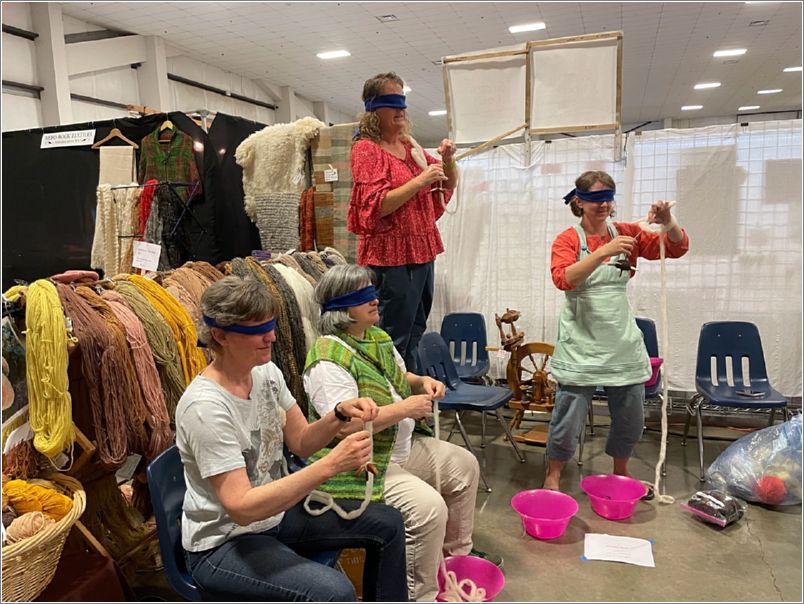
point(35, 538)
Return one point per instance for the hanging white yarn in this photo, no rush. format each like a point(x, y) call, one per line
point(464, 590)
point(328, 502)
point(417, 153)
point(643, 224)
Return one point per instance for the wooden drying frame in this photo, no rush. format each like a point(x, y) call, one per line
point(570, 41)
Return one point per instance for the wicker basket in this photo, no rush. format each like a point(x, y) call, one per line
point(29, 565)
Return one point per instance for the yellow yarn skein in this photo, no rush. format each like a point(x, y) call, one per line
point(14, 292)
point(46, 358)
point(26, 497)
point(181, 324)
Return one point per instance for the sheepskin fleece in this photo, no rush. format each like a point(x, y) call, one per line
point(273, 159)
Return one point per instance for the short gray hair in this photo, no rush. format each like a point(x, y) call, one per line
point(337, 281)
point(233, 300)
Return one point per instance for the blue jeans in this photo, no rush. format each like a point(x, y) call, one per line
point(569, 418)
point(406, 297)
point(271, 567)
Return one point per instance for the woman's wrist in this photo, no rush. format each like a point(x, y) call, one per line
point(340, 416)
point(449, 164)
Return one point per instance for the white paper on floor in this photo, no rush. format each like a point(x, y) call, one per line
point(618, 549)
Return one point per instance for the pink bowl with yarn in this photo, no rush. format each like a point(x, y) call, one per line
point(613, 497)
point(485, 574)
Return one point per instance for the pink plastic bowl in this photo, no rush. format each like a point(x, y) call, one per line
point(545, 514)
point(613, 497)
point(485, 574)
point(655, 364)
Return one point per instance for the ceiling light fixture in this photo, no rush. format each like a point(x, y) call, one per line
point(705, 85)
point(437, 62)
point(518, 29)
point(406, 89)
point(748, 108)
point(691, 107)
point(387, 18)
point(792, 68)
point(734, 52)
point(334, 54)
point(761, 23)
point(437, 112)
point(769, 91)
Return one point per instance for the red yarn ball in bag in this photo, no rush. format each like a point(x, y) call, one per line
point(770, 489)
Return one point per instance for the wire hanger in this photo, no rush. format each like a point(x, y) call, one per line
point(114, 133)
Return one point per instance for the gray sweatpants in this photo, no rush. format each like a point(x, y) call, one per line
point(569, 418)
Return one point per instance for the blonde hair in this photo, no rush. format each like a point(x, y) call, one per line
point(369, 126)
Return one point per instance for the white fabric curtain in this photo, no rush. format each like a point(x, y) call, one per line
point(738, 194)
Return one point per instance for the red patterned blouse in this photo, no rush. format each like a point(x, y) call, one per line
point(408, 235)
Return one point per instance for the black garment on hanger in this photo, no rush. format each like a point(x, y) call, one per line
point(235, 233)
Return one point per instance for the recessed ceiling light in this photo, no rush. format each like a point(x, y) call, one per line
point(406, 88)
point(691, 107)
point(334, 54)
point(769, 91)
point(517, 29)
point(758, 23)
point(706, 85)
point(387, 18)
point(748, 108)
point(437, 62)
point(437, 112)
point(792, 68)
point(734, 52)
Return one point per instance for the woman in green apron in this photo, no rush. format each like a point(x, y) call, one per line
point(599, 343)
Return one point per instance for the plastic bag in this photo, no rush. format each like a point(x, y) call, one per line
point(763, 467)
point(715, 507)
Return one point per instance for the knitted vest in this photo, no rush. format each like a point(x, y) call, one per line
point(371, 383)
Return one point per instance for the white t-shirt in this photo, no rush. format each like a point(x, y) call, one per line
point(327, 384)
point(217, 432)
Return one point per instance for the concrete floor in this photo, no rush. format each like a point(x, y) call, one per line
point(758, 558)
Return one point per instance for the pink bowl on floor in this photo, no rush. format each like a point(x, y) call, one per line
point(613, 497)
point(485, 574)
point(545, 514)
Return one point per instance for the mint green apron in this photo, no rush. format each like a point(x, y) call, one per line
point(599, 343)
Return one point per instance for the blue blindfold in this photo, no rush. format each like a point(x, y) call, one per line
point(394, 101)
point(595, 196)
point(248, 330)
point(361, 296)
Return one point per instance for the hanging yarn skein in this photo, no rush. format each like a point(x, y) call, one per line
point(46, 361)
point(643, 224)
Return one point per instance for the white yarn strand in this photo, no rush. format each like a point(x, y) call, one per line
point(328, 502)
point(662, 352)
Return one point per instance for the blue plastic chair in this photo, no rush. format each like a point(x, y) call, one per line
point(728, 345)
point(460, 396)
point(465, 335)
point(167, 487)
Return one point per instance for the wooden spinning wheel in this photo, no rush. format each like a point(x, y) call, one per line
point(533, 391)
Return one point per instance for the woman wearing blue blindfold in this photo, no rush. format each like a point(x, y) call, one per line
point(598, 342)
point(394, 211)
point(244, 530)
point(355, 358)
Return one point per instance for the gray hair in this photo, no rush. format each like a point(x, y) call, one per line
point(337, 281)
point(233, 300)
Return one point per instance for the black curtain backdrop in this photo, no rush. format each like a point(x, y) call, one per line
point(49, 195)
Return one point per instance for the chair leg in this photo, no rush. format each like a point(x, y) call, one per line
point(592, 417)
point(501, 419)
point(581, 440)
point(772, 416)
point(471, 449)
point(699, 424)
point(452, 430)
point(483, 430)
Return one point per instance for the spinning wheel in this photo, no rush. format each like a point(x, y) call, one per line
point(533, 391)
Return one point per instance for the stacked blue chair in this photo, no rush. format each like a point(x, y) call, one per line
point(465, 335)
point(167, 487)
point(460, 396)
point(729, 345)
